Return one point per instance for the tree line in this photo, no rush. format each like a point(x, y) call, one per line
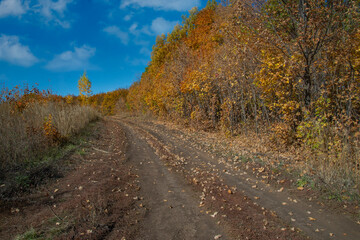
point(289, 68)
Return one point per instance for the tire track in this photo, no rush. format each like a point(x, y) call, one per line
point(172, 211)
point(240, 217)
point(314, 221)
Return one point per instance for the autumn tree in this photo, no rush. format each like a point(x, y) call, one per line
point(113, 101)
point(84, 86)
point(288, 70)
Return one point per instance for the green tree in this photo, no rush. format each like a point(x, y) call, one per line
point(84, 86)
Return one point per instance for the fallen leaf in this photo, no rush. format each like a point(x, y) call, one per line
point(213, 215)
point(312, 219)
point(15, 210)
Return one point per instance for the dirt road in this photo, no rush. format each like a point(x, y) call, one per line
point(172, 206)
point(243, 205)
point(97, 197)
point(142, 180)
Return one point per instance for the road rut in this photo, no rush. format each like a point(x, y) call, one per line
point(172, 210)
point(305, 219)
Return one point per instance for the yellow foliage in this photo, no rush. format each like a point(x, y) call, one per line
point(50, 130)
point(84, 86)
point(69, 99)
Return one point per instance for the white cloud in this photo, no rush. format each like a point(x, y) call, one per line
point(158, 26)
point(177, 5)
point(161, 25)
point(62, 23)
point(73, 60)
point(12, 51)
point(133, 27)
point(114, 30)
point(145, 51)
point(137, 31)
point(48, 7)
point(12, 8)
point(53, 11)
point(128, 17)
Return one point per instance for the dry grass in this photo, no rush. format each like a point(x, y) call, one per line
point(26, 135)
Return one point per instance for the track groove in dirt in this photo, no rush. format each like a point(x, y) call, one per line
point(238, 215)
point(315, 221)
point(172, 211)
point(142, 180)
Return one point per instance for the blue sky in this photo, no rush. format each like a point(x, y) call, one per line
point(52, 42)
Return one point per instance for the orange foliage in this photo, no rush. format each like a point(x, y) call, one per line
point(290, 68)
point(51, 133)
point(109, 103)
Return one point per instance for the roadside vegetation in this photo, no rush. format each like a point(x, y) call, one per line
point(39, 128)
point(107, 104)
point(34, 126)
point(281, 75)
point(110, 103)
